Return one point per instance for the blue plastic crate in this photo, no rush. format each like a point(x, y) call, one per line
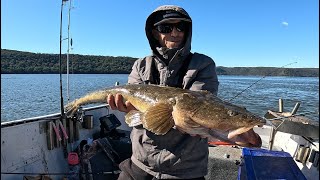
point(263, 164)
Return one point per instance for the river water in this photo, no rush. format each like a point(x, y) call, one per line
point(30, 95)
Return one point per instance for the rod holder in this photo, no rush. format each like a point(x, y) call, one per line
point(50, 136)
point(295, 109)
point(302, 153)
point(280, 105)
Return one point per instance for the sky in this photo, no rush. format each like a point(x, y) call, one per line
point(234, 33)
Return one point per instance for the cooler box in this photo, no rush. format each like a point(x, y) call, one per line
point(265, 164)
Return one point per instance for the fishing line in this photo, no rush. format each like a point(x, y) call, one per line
point(257, 82)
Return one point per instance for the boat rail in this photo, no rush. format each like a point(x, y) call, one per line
point(45, 117)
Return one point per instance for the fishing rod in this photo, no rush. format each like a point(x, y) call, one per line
point(257, 82)
point(60, 63)
point(63, 116)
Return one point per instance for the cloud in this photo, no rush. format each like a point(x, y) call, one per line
point(285, 23)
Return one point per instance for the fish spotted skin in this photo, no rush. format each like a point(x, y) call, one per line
point(161, 107)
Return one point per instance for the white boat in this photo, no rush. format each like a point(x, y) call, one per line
point(28, 151)
point(38, 147)
point(27, 147)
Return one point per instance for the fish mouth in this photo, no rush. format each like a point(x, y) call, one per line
point(262, 120)
point(259, 118)
point(259, 121)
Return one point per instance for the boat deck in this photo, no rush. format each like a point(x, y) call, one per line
point(223, 162)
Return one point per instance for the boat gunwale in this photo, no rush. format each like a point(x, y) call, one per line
point(47, 117)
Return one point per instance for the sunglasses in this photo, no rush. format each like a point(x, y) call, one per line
point(167, 28)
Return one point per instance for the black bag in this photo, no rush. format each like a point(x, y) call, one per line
point(100, 160)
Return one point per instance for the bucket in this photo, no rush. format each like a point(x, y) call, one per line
point(88, 121)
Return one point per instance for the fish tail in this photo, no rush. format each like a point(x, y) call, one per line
point(71, 108)
point(94, 97)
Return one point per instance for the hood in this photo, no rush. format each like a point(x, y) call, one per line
point(163, 53)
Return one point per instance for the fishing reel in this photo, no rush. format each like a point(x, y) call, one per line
point(79, 114)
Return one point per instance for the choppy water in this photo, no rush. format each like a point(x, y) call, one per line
point(30, 95)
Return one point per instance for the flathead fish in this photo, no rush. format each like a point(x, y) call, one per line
point(160, 108)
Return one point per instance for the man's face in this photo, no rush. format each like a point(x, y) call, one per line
point(170, 34)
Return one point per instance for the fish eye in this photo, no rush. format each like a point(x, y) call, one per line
point(232, 113)
point(172, 100)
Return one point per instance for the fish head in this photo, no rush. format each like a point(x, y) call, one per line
point(209, 111)
point(241, 115)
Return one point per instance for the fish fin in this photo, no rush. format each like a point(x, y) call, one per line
point(133, 118)
point(186, 125)
point(238, 131)
point(158, 119)
point(221, 135)
point(71, 108)
point(192, 124)
point(201, 131)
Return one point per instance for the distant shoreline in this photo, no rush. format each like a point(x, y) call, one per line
point(128, 74)
point(20, 62)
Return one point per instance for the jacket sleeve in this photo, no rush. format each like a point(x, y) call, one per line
point(205, 76)
point(134, 76)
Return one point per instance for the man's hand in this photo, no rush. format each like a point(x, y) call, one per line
point(249, 138)
point(116, 103)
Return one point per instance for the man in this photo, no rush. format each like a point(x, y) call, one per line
point(175, 155)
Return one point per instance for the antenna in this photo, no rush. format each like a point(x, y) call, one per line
point(257, 81)
point(68, 50)
point(60, 64)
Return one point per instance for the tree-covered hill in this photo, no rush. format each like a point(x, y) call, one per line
point(19, 62)
point(269, 71)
